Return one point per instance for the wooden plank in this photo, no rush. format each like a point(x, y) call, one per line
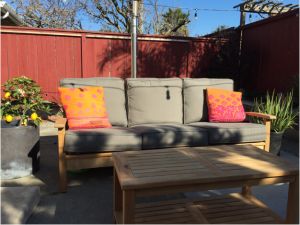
point(168, 173)
point(156, 213)
point(261, 220)
point(86, 156)
point(166, 158)
point(169, 169)
point(228, 207)
point(12, 56)
point(233, 208)
point(11, 31)
point(163, 162)
point(142, 167)
point(4, 59)
point(231, 213)
point(173, 217)
point(231, 219)
point(152, 205)
point(84, 55)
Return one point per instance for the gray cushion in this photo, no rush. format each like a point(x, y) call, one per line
point(154, 100)
point(101, 140)
point(195, 108)
point(231, 133)
point(171, 135)
point(114, 95)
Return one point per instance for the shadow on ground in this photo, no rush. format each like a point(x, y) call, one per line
point(90, 192)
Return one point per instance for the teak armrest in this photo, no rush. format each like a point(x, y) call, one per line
point(261, 115)
point(267, 119)
point(60, 122)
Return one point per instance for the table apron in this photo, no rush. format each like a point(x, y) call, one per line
point(210, 186)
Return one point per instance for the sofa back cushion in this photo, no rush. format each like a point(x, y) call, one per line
point(194, 97)
point(154, 100)
point(114, 95)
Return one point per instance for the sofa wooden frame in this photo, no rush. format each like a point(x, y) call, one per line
point(84, 161)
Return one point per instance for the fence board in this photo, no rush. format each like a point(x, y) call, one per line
point(48, 55)
point(270, 54)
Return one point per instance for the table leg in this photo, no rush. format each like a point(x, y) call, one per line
point(292, 212)
point(246, 190)
point(117, 196)
point(128, 206)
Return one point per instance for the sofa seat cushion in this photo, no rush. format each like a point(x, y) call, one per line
point(231, 133)
point(101, 140)
point(171, 135)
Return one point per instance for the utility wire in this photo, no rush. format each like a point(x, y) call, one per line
point(198, 9)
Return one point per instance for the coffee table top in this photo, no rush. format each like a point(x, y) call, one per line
point(154, 168)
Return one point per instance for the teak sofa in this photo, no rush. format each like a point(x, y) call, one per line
point(151, 113)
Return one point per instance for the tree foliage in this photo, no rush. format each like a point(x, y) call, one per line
point(113, 15)
point(49, 13)
point(220, 28)
point(174, 22)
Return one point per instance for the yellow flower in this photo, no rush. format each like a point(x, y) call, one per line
point(7, 95)
point(8, 118)
point(34, 116)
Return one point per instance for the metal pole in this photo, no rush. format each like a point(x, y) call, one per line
point(134, 40)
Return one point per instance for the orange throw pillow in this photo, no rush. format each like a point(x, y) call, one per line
point(225, 106)
point(84, 107)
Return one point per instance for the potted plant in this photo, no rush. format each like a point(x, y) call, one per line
point(281, 106)
point(20, 107)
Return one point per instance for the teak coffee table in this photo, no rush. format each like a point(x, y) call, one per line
point(179, 170)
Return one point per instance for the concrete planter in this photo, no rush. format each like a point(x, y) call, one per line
point(276, 140)
point(19, 150)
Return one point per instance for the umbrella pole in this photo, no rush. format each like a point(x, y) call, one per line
point(134, 40)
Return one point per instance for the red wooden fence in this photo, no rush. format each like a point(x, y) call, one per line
point(48, 55)
point(270, 54)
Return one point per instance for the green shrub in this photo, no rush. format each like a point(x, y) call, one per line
point(279, 105)
point(22, 100)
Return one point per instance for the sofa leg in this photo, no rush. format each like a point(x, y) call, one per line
point(62, 161)
point(62, 173)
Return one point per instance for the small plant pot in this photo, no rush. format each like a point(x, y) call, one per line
point(13, 123)
point(276, 140)
point(19, 150)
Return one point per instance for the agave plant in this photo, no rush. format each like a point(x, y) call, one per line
point(281, 106)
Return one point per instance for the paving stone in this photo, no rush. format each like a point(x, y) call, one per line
point(17, 203)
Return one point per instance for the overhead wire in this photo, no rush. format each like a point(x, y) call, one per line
point(196, 9)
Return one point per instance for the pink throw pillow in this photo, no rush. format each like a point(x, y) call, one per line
point(225, 106)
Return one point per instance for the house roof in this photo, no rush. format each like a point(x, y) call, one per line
point(9, 16)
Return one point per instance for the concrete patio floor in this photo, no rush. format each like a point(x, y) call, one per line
point(89, 196)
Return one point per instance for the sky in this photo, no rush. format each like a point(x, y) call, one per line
point(207, 18)
point(207, 21)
